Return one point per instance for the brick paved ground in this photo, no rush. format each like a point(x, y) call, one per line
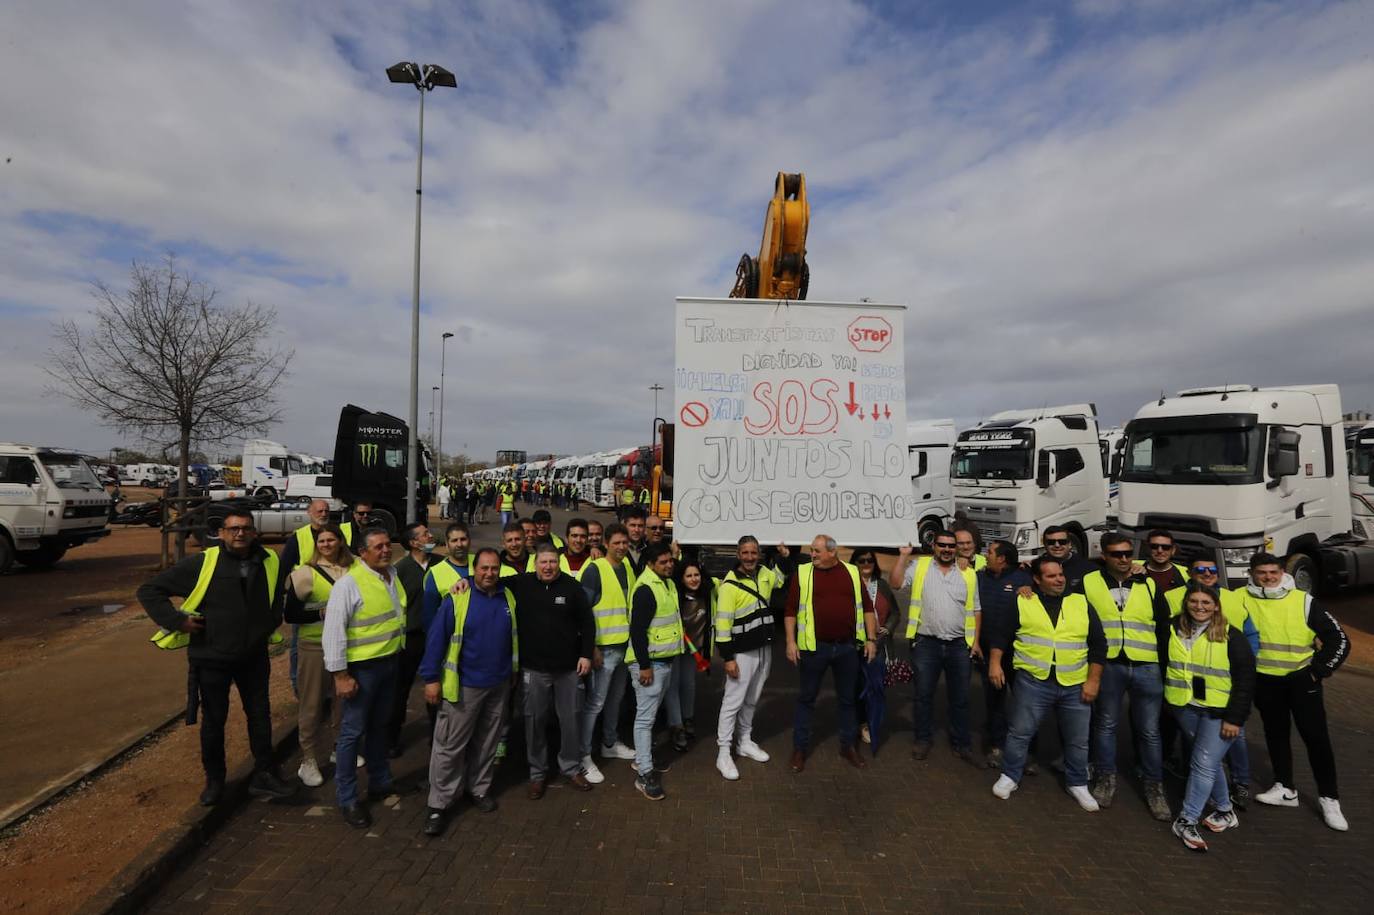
point(898, 836)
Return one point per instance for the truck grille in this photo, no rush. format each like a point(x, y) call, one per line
point(85, 511)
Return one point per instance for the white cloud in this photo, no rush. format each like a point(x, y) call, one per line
point(1070, 219)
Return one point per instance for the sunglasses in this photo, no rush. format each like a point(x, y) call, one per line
point(1205, 570)
point(1057, 541)
point(1161, 547)
point(1118, 554)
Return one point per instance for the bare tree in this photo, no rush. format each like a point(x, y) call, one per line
point(163, 361)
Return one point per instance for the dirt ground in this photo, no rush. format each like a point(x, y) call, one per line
point(77, 844)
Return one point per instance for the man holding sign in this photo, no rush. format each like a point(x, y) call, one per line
point(828, 616)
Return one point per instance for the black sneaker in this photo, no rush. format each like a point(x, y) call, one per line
point(435, 821)
point(484, 803)
point(690, 727)
point(356, 816)
point(651, 786)
point(680, 740)
point(266, 784)
point(213, 793)
point(1240, 796)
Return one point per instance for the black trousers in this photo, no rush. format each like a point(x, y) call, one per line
point(411, 656)
point(251, 677)
point(1296, 699)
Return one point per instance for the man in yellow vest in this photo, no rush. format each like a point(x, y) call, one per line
point(516, 557)
point(575, 555)
point(943, 620)
point(505, 494)
point(542, 522)
point(1058, 649)
point(656, 638)
point(364, 633)
point(966, 550)
point(1135, 618)
point(1290, 670)
point(353, 529)
point(829, 617)
point(471, 655)
point(607, 582)
point(228, 613)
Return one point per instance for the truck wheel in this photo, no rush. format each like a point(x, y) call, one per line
point(214, 520)
point(1080, 543)
point(42, 557)
point(1304, 572)
point(6, 553)
point(385, 520)
point(926, 531)
point(266, 492)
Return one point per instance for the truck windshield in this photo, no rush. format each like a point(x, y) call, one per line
point(69, 471)
point(1362, 459)
point(1228, 456)
point(992, 463)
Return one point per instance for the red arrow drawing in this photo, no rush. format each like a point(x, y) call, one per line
point(875, 411)
point(887, 414)
point(852, 406)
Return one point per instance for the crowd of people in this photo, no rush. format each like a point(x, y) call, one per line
point(562, 624)
point(473, 500)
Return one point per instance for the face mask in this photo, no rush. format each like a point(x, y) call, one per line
point(428, 547)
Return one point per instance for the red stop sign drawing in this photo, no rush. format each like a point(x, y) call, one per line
point(870, 333)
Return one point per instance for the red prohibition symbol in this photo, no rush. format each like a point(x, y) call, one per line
point(694, 413)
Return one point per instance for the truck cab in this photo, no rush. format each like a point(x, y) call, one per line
point(1232, 470)
point(267, 466)
point(930, 448)
point(1021, 471)
point(50, 501)
point(1361, 452)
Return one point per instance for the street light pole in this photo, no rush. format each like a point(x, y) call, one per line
point(423, 79)
point(653, 426)
point(432, 392)
point(439, 445)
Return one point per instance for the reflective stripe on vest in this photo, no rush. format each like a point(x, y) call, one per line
point(1285, 639)
point(612, 610)
point(171, 641)
point(666, 637)
point(1129, 629)
point(1206, 659)
point(806, 630)
point(1232, 605)
point(1063, 646)
point(738, 611)
point(452, 682)
point(378, 627)
point(918, 581)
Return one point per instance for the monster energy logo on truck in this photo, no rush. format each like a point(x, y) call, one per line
point(367, 453)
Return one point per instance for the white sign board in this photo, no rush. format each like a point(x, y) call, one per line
point(791, 422)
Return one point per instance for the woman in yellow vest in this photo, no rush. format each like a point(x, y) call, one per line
point(307, 594)
point(1209, 682)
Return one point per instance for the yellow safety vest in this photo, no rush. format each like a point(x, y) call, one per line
point(1232, 605)
point(737, 611)
point(318, 599)
point(1205, 659)
point(452, 682)
point(378, 627)
point(568, 569)
point(512, 570)
point(507, 494)
point(1064, 645)
point(666, 637)
point(347, 529)
point(918, 580)
point(806, 629)
point(444, 574)
point(172, 641)
point(1129, 629)
point(1285, 639)
point(305, 546)
point(612, 610)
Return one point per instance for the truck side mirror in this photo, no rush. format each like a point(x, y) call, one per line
point(1283, 453)
point(1116, 465)
point(1044, 470)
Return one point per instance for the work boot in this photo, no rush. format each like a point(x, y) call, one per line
point(356, 816)
point(679, 738)
point(1157, 802)
point(1104, 790)
point(435, 821)
point(213, 793)
point(265, 783)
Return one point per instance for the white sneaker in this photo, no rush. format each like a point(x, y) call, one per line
point(309, 773)
point(591, 772)
point(1084, 797)
point(1003, 787)
point(1331, 812)
point(750, 750)
point(1279, 796)
point(617, 750)
point(726, 766)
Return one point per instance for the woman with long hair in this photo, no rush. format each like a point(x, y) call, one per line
point(696, 601)
point(885, 607)
point(307, 593)
point(1209, 681)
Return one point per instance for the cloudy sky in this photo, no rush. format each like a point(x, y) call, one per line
point(1090, 200)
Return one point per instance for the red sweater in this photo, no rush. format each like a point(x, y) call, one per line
point(832, 603)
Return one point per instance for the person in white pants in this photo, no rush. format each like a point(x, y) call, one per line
point(743, 637)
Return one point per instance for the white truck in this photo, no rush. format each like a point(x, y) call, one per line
point(149, 476)
point(267, 465)
point(1111, 441)
point(50, 501)
point(1361, 452)
point(930, 449)
point(1021, 471)
point(1232, 470)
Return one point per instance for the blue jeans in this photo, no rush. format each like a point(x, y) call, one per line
point(1205, 777)
point(1144, 684)
point(505, 518)
point(843, 657)
point(682, 698)
point(931, 657)
point(365, 717)
point(1031, 700)
point(647, 699)
point(605, 689)
point(1239, 758)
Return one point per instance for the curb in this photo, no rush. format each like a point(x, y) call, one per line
point(133, 886)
